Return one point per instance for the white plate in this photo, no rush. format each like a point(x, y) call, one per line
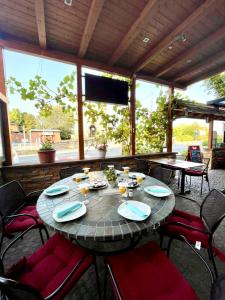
point(125, 212)
point(73, 215)
point(63, 189)
point(103, 186)
point(81, 175)
point(164, 193)
point(136, 174)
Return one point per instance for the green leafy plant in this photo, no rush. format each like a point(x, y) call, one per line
point(47, 144)
point(110, 174)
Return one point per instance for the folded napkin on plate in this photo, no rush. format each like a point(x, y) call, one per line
point(55, 189)
point(158, 189)
point(68, 210)
point(137, 211)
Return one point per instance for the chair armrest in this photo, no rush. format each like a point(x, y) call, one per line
point(58, 289)
point(189, 227)
point(32, 197)
point(186, 198)
point(35, 192)
point(22, 215)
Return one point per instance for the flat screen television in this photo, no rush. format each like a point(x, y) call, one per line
point(108, 90)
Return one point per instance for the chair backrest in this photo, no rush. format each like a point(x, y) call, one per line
point(194, 154)
point(213, 209)
point(161, 174)
point(69, 171)
point(218, 288)
point(117, 165)
point(142, 165)
point(13, 290)
point(12, 198)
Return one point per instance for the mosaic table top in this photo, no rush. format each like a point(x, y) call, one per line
point(102, 222)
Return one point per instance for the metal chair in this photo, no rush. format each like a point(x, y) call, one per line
point(69, 171)
point(142, 165)
point(161, 174)
point(16, 212)
point(197, 228)
point(49, 273)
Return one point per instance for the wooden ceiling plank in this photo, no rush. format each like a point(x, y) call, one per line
point(133, 32)
point(192, 19)
point(207, 74)
point(40, 19)
point(206, 62)
point(93, 15)
point(205, 43)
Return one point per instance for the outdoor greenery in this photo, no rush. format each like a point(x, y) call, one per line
point(190, 132)
point(56, 109)
point(47, 144)
point(216, 85)
point(23, 120)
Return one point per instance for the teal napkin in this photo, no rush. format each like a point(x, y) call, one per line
point(137, 211)
point(157, 189)
point(68, 210)
point(55, 189)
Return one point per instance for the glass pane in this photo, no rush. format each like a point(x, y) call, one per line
point(2, 156)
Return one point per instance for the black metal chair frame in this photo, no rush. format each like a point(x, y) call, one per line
point(142, 165)
point(69, 171)
point(6, 219)
point(6, 282)
point(109, 272)
point(161, 171)
point(210, 233)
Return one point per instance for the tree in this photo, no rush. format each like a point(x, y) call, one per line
point(216, 85)
point(23, 119)
point(58, 119)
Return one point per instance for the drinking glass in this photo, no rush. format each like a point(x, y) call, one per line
point(84, 190)
point(122, 189)
point(86, 171)
point(77, 179)
point(139, 181)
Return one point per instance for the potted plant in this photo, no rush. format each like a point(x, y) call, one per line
point(46, 153)
point(110, 174)
point(101, 145)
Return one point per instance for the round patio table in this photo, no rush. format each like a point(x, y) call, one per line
point(101, 221)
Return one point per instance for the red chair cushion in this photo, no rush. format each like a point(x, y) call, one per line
point(47, 268)
point(22, 223)
point(147, 273)
point(195, 172)
point(183, 217)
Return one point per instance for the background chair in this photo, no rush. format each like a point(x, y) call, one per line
point(142, 165)
point(69, 171)
point(161, 174)
point(194, 228)
point(16, 212)
point(49, 273)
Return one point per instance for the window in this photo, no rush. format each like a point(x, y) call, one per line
point(2, 155)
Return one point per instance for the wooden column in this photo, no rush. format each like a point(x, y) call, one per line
point(80, 112)
point(132, 115)
point(5, 117)
point(210, 134)
point(169, 135)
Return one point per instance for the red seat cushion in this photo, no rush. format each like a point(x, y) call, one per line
point(195, 172)
point(147, 273)
point(183, 217)
point(22, 223)
point(46, 269)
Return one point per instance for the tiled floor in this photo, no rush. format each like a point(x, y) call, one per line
point(186, 261)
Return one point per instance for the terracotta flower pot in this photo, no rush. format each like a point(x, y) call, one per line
point(46, 156)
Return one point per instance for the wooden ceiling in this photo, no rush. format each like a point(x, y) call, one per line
point(186, 38)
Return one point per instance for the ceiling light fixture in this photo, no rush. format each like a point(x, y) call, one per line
point(170, 47)
point(146, 40)
point(68, 2)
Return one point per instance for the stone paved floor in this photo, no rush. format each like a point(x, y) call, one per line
point(181, 255)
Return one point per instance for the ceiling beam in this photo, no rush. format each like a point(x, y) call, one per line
point(191, 20)
point(207, 74)
point(205, 43)
point(149, 78)
point(133, 32)
point(206, 62)
point(40, 19)
point(93, 15)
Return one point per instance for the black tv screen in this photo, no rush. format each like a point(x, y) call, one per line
point(103, 89)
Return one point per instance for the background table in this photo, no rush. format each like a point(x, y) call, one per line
point(177, 164)
point(102, 222)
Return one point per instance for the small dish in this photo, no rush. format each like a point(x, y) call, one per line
point(81, 175)
point(71, 216)
point(98, 185)
point(127, 213)
point(157, 191)
point(136, 174)
point(56, 190)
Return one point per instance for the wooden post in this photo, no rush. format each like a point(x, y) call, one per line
point(169, 135)
point(80, 113)
point(132, 115)
point(5, 117)
point(210, 134)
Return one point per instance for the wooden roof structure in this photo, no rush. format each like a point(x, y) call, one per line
point(217, 102)
point(172, 42)
point(195, 110)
